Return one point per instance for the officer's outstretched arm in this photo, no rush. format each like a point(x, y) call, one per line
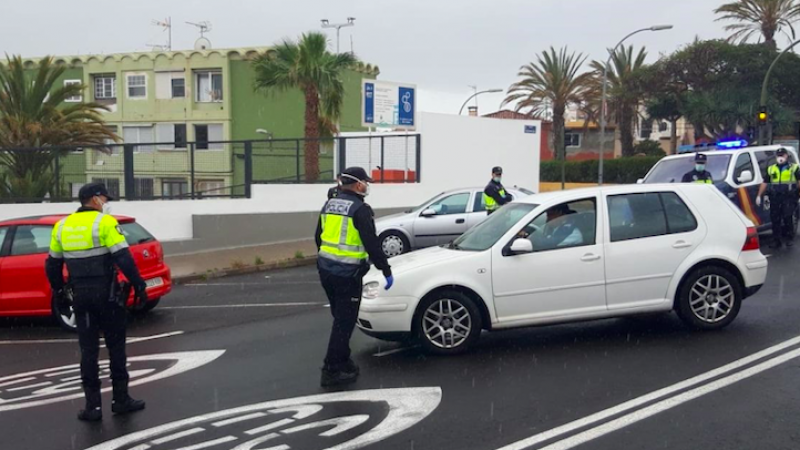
point(365, 224)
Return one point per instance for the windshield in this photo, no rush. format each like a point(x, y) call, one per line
point(485, 235)
point(673, 170)
point(427, 202)
point(135, 233)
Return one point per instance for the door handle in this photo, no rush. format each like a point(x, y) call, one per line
point(590, 257)
point(460, 221)
point(681, 244)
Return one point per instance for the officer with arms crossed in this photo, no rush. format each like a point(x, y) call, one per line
point(699, 174)
point(783, 181)
point(346, 241)
point(92, 245)
point(494, 196)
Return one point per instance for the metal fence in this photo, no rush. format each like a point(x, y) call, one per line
point(200, 170)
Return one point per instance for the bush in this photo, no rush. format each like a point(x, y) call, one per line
point(648, 148)
point(615, 171)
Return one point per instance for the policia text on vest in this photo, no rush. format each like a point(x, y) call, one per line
point(347, 243)
point(92, 246)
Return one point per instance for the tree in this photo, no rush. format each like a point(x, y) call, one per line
point(760, 17)
point(36, 126)
point(307, 65)
point(667, 106)
point(552, 81)
point(624, 91)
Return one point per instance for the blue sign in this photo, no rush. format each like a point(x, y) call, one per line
point(406, 111)
point(369, 102)
point(530, 129)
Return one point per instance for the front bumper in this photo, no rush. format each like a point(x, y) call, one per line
point(386, 315)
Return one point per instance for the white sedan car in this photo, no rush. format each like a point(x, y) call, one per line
point(572, 256)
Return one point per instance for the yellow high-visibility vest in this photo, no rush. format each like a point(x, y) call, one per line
point(341, 241)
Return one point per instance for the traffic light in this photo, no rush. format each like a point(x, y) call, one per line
point(763, 116)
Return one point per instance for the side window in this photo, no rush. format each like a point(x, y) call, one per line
point(567, 225)
point(635, 216)
point(743, 162)
point(3, 234)
point(452, 204)
point(679, 218)
point(31, 240)
point(480, 202)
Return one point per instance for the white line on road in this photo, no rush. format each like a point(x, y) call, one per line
point(30, 386)
point(21, 380)
point(245, 305)
point(271, 284)
point(176, 436)
point(130, 340)
point(391, 352)
point(669, 403)
point(656, 395)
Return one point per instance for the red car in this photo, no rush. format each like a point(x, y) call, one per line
point(24, 245)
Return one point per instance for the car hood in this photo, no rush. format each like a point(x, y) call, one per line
point(419, 259)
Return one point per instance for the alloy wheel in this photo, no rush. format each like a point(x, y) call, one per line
point(711, 298)
point(446, 323)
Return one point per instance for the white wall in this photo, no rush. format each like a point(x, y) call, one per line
point(456, 152)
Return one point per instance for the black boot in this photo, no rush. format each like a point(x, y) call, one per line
point(93, 411)
point(339, 377)
point(123, 403)
point(776, 244)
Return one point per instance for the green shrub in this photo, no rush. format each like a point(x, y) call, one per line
point(648, 148)
point(615, 171)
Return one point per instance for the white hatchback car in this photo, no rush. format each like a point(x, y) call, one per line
point(572, 256)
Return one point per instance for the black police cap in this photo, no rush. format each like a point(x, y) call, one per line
point(782, 151)
point(93, 189)
point(353, 175)
point(498, 170)
point(700, 157)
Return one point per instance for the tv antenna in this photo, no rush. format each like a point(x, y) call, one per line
point(167, 25)
point(202, 43)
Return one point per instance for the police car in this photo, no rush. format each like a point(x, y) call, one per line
point(737, 170)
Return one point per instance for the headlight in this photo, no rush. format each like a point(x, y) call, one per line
point(371, 290)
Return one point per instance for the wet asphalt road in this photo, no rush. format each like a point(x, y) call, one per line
point(269, 332)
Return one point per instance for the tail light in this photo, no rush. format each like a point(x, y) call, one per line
point(160, 251)
point(751, 243)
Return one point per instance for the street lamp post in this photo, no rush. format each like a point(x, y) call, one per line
point(603, 107)
point(762, 138)
point(488, 91)
point(351, 22)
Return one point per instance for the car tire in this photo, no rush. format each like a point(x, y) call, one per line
point(394, 243)
point(66, 320)
point(447, 323)
point(709, 298)
point(147, 307)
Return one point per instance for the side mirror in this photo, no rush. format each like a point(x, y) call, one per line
point(521, 246)
point(745, 177)
point(640, 181)
point(430, 212)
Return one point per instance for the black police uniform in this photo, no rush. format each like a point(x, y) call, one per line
point(782, 205)
point(496, 191)
point(697, 177)
point(93, 283)
point(334, 192)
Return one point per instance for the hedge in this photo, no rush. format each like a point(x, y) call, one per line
point(615, 171)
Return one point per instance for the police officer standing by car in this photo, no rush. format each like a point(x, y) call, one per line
point(91, 244)
point(699, 174)
point(494, 195)
point(783, 184)
point(347, 242)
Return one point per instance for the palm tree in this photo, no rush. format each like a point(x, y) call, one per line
point(307, 65)
point(553, 82)
point(36, 126)
point(624, 91)
point(764, 17)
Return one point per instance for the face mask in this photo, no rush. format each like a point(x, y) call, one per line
point(497, 179)
point(105, 207)
point(366, 191)
point(699, 167)
point(781, 161)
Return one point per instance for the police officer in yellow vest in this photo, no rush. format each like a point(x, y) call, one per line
point(783, 183)
point(494, 195)
point(91, 244)
point(699, 174)
point(347, 242)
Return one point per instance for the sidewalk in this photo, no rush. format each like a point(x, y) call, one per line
point(217, 263)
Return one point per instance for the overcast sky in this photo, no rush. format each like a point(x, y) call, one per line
point(441, 45)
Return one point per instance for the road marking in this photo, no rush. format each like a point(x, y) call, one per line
point(30, 386)
point(176, 436)
point(392, 352)
point(22, 380)
point(279, 283)
point(269, 427)
point(669, 403)
point(130, 340)
point(208, 444)
point(246, 305)
point(655, 395)
point(223, 423)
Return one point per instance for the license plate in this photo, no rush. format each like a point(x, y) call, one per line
point(154, 282)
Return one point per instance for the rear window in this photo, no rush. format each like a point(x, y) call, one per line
point(673, 170)
point(135, 234)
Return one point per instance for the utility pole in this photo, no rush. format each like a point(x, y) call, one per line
point(351, 22)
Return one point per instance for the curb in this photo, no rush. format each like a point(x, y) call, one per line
point(268, 267)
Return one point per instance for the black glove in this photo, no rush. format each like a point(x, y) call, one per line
point(63, 299)
point(140, 296)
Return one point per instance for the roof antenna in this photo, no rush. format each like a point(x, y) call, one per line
point(167, 25)
point(202, 43)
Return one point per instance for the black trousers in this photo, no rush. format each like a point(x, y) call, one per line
point(95, 312)
point(344, 295)
point(781, 212)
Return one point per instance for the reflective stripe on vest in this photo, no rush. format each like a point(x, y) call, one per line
point(776, 175)
point(79, 235)
point(707, 181)
point(491, 204)
point(341, 240)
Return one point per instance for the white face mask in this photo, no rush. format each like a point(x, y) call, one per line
point(781, 161)
point(104, 206)
point(367, 185)
point(366, 191)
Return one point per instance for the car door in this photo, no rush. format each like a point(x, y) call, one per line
point(448, 221)
point(742, 188)
point(650, 235)
point(24, 284)
point(563, 277)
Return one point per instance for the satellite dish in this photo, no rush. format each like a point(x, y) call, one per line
point(202, 44)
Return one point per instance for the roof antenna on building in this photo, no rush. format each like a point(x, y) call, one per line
point(167, 25)
point(202, 43)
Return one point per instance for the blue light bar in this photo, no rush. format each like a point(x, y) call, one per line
point(730, 145)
